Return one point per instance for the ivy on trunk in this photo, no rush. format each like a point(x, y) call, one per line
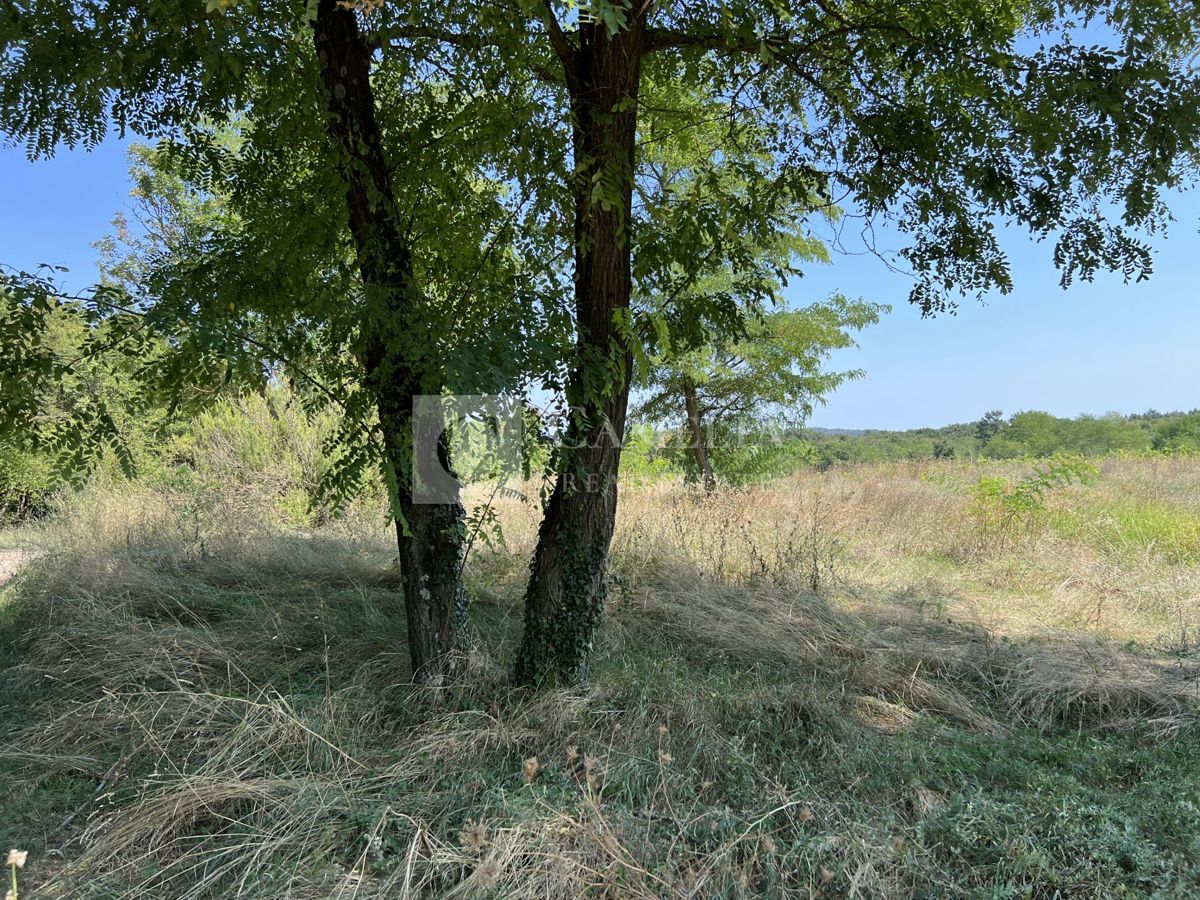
point(566, 592)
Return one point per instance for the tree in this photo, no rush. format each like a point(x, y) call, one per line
point(1180, 432)
point(775, 368)
point(328, 189)
point(395, 354)
point(943, 450)
point(1041, 434)
point(1110, 433)
point(946, 115)
point(709, 327)
point(702, 215)
point(989, 426)
point(95, 387)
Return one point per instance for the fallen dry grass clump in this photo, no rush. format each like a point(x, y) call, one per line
point(204, 707)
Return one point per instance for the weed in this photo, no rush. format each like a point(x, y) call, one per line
point(1002, 508)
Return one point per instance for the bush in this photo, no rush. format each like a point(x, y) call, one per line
point(741, 455)
point(1003, 508)
point(27, 485)
point(260, 452)
point(1179, 433)
point(645, 459)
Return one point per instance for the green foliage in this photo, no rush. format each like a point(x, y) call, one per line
point(261, 453)
point(85, 407)
point(1003, 508)
point(1177, 433)
point(646, 458)
point(28, 482)
point(402, 228)
point(746, 389)
point(1040, 434)
point(943, 450)
point(995, 98)
point(1025, 435)
point(741, 452)
point(719, 233)
point(1135, 529)
point(774, 369)
point(872, 446)
point(996, 113)
point(239, 259)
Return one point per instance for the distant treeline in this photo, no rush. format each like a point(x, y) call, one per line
point(1033, 433)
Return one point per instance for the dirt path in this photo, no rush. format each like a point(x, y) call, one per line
point(11, 562)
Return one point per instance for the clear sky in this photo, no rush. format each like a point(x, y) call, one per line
point(1095, 348)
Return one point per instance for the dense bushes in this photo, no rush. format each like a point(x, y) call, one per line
point(1178, 432)
point(762, 453)
point(69, 426)
point(1040, 434)
point(27, 485)
point(260, 453)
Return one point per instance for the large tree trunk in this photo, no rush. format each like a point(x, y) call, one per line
point(696, 432)
point(566, 592)
point(397, 355)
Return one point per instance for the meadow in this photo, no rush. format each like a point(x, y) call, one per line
point(850, 664)
point(871, 681)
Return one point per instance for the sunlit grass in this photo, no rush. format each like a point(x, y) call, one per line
point(837, 683)
point(1126, 528)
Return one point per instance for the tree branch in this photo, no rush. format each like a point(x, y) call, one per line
point(560, 42)
point(441, 35)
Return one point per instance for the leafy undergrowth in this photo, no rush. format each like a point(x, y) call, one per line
point(228, 716)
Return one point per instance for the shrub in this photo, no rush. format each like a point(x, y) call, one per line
point(27, 485)
point(1002, 508)
point(260, 452)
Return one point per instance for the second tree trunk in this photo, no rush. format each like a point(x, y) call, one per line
point(566, 593)
point(396, 353)
point(696, 433)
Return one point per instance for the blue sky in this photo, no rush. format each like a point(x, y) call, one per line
point(1095, 348)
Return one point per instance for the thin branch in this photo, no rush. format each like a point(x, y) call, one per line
point(467, 41)
point(561, 43)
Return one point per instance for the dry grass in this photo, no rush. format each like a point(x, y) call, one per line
point(905, 533)
point(226, 702)
point(886, 573)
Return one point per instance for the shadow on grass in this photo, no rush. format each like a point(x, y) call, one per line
point(235, 719)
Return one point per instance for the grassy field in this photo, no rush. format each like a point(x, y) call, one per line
point(870, 682)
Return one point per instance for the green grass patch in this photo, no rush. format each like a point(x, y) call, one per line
point(1134, 527)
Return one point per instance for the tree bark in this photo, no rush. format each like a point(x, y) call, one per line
point(696, 432)
point(397, 355)
point(567, 589)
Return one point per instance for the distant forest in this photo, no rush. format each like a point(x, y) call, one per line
point(1036, 434)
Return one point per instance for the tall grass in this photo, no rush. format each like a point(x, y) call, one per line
point(837, 684)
